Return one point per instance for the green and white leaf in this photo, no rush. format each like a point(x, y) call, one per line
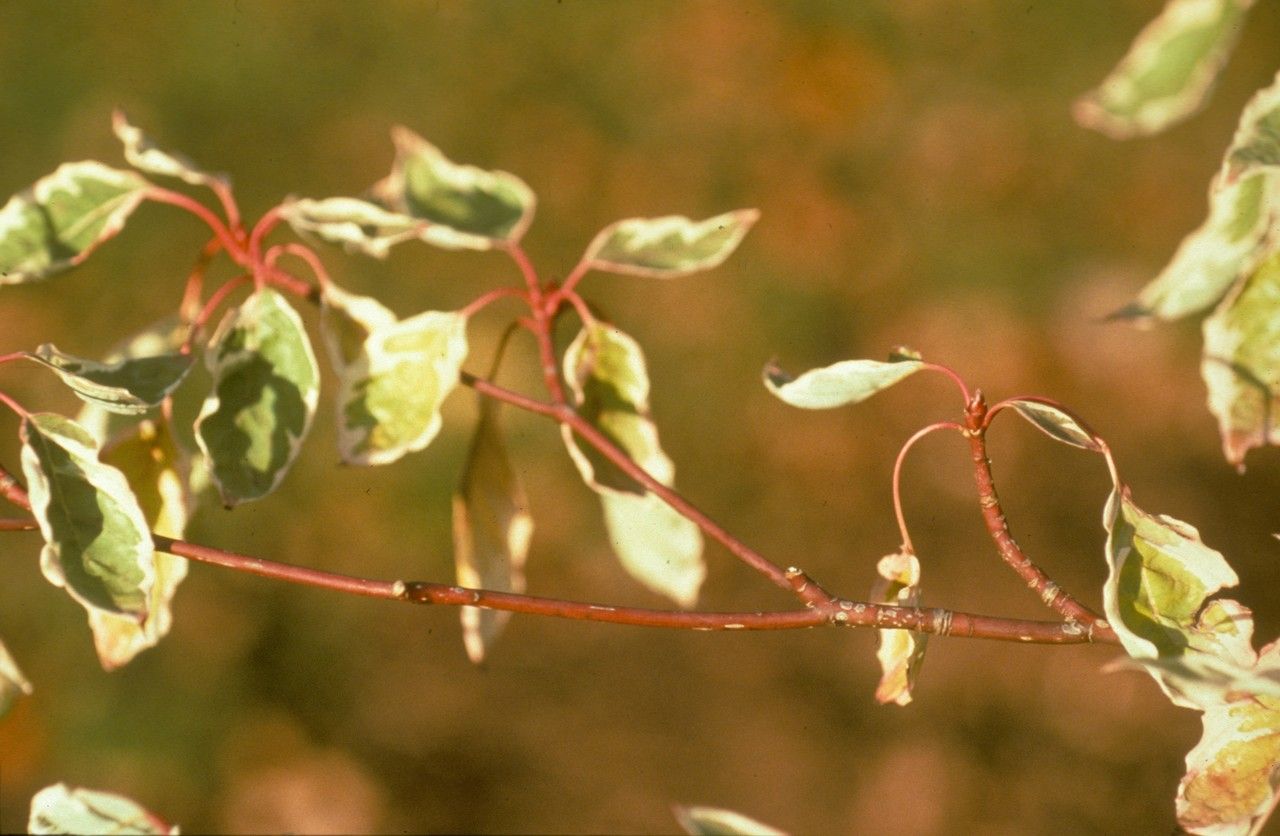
point(63, 809)
point(1241, 364)
point(1231, 783)
point(163, 337)
point(1256, 144)
point(141, 152)
point(128, 386)
point(1056, 423)
point(670, 246)
point(492, 527)
point(56, 223)
point(155, 467)
point(97, 541)
point(716, 821)
point(265, 387)
point(12, 683)
point(357, 225)
point(390, 394)
point(846, 382)
point(900, 652)
point(346, 321)
point(606, 373)
point(465, 207)
point(1169, 70)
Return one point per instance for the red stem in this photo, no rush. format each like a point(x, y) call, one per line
point(579, 270)
point(233, 247)
point(483, 301)
point(215, 300)
point(10, 524)
point(306, 254)
point(189, 308)
point(542, 324)
point(907, 545)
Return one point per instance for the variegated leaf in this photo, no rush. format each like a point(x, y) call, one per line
point(63, 809)
point(900, 652)
point(846, 382)
point(128, 386)
point(669, 246)
point(142, 153)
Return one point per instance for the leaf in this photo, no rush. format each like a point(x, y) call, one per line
point(12, 682)
point(265, 387)
point(1169, 70)
point(1057, 423)
point(97, 543)
point(391, 390)
point(1233, 773)
point(129, 386)
point(142, 153)
point(1215, 256)
point(670, 246)
point(358, 225)
point(491, 529)
point(347, 320)
point(1256, 144)
point(1241, 364)
point(846, 382)
point(56, 223)
point(605, 371)
point(63, 809)
point(466, 207)
point(716, 821)
point(900, 652)
point(151, 461)
point(166, 336)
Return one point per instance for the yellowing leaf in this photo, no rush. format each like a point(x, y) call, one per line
point(846, 382)
point(63, 809)
point(128, 386)
point(97, 542)
point(605, 371)
point(142, 153)
point(670, 246)
point(1169, 70)
point(491, 529)
point(716, 821)
point(265, 388)
point(56, 223)
point(1241, 365)
point(12, 683)
point(900, 651)
point(152, 462)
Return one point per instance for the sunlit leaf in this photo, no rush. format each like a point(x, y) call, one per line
point(142, 153)
point(900, 652)
point(12, 683)
point(63, 809)
point(669, 246)
point(128, 386)
point(1056, 423)
point(1233, 773)
point(391, 391)
point(465, 207)
point(491, 529)
point(358, 225)
point(56, 223)
point(605, 371)
point(1241, 365)
point(265, 388)
point(347, 320)
point(97, 542)
point(1256, 144)
point(846, 382)
point(153, 464)
point(716, 821)
point(1169, 70)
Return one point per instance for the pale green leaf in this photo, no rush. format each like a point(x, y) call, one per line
point(669, 246)
point(347, 320)
point(12, 683)
point(142, 153)
point(716, 821)
point(1056, 423)
point(846, 382)
point(163, 337)
point(491, 529)
point(1241, 365)
point(56, 223)
point(466, 207)
point(97, 541)
point(1212, 258)
point(265, 388)
point(152, 462)
point(358, 225)
point(1169, 70)
point(128, 386)
point(390, 394)
point(1256, 144)
point(63, 809)
point(606, 373)
point(900, 652)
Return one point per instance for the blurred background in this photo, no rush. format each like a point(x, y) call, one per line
point(921, 182)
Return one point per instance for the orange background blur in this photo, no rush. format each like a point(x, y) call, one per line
point(921, 182)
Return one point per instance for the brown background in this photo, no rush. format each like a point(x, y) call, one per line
point(921, 182)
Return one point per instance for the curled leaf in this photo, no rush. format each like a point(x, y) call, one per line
point(846, 382)
point(1056, 423)
point(717, 821)
point(1256, 144)
point(142, 153)
point(900, 652)
point(56, 223)
point(669, 246)
point(128, 386)
point(164, 337)
point(358, 225)
point(63, 809)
